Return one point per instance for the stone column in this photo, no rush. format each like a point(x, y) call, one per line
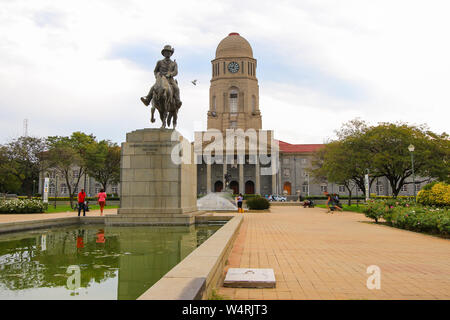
point(241, 178)
point(224, 171)
point(257, 177)
point(274, 180)
point(208, 178)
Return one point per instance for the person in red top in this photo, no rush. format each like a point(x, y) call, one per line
point(81, 205)
point(101, 200)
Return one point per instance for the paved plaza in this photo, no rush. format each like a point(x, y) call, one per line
point(325, 256)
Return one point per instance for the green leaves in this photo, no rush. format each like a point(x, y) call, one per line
point(383, 150)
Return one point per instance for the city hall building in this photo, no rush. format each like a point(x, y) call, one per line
point(234, 104)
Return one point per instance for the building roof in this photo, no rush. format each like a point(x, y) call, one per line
point(234, 46)
point(298, 148)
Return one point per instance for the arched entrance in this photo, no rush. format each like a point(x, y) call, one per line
point(249, 187)
point(218, 186)
point(234, 185)
point(287, 187)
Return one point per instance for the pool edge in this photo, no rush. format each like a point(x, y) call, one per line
point(200, 272)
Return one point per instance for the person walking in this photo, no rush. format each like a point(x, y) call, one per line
point(101, 199)
point(329, 204)
point(240, 198)
point(81, 202)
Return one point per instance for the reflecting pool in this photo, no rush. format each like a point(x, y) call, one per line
point(93, 262)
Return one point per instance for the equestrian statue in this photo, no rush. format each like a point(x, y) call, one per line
point(165, 94)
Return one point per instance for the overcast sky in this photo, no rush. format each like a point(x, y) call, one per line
point(82, 65)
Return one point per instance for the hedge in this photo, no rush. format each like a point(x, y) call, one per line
point(258, 203)
point(22, 206)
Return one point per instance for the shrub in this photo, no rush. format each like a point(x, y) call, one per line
point(258, 203)
point(438, 194)
point(22, 206)
point(376, 209)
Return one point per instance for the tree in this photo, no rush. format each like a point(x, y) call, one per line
point(9, 181)
point(346, 160)
point(383, 150)
point(67, 155)
point(103, 162)
point(388, 144)
point(331, 163)
point(24, 158)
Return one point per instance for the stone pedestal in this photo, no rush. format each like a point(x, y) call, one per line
point(154, 187)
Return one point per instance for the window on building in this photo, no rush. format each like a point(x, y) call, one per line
point(214, 103)
point(63, 188)
point(98, 187)
point(379, 188)
point(52, 174)
point(286, 172)
point(404, 188)
point(286, 161)
point(233, 124)
point(52, 190)
point(114, 189)
point(417, 187)
point(305, 188)
point(323, 188)
point(341, 188)
point(234, 101)
point(253, 104)
point(75, 173)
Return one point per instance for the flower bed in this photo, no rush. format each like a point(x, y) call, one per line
point(22, 206)
point(410, 216)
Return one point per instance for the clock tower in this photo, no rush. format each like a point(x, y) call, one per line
point(234, 91)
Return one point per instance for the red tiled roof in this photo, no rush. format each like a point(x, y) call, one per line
point(293, 148)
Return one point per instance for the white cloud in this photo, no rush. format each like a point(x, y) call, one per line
point(56, 69)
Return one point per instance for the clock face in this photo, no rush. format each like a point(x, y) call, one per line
point(233, 67)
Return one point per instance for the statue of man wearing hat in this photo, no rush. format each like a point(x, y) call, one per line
point(169, 69)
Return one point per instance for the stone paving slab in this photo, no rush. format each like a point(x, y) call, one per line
point(249, 278)
point(316, 255)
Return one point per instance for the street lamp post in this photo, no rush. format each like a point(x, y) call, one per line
point(411, 150)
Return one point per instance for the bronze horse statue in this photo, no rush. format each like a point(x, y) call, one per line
point(164, 101)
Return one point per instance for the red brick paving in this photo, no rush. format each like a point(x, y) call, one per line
point(325, 256)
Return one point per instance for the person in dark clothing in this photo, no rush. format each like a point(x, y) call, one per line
point(240, 198)
point(337, 204)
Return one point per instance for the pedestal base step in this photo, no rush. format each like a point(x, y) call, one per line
point(150, 219)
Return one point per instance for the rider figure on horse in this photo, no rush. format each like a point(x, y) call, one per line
point(169, 69)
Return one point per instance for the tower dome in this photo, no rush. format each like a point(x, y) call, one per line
point(234, 46)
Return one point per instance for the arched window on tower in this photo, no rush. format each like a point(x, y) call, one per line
point(213, 103)
point(253, 104)
point(234, 100)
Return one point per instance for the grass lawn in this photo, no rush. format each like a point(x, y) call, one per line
point(353, 207)
point(65, 208)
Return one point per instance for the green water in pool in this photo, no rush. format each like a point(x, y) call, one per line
point(93, 262)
